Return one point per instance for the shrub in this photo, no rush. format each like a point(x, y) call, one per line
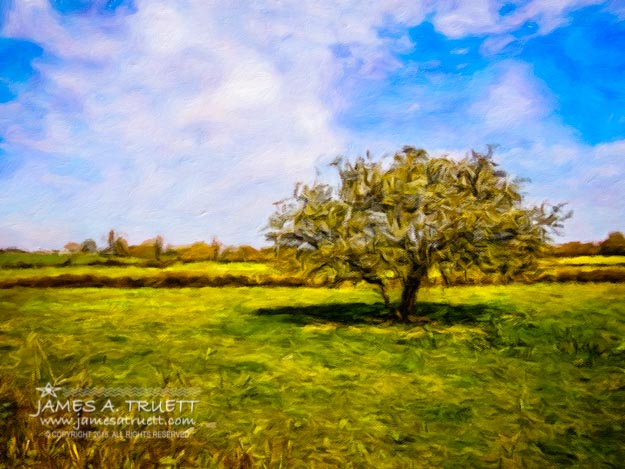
point(199, 251)
point(614, 245)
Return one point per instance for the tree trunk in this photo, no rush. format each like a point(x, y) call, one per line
point(409, 296)
point(382, 289)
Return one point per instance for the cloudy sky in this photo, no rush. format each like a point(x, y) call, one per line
point(189, 118)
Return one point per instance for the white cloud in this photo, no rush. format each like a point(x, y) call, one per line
point(194, 109)
point(589, 179)
point(597, 189)
point(514, 97)
point(617, 8)
point(192, 117)
point(460, 18)
point(548, 14)
point(495, 44)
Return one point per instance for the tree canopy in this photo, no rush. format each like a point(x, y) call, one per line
point(399, 220)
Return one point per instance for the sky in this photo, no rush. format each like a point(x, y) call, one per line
point(189, 119)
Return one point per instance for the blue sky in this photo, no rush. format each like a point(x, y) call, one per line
point(189, 119)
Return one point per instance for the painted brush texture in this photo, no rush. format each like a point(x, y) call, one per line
point(189, 119)
point(324, 379)
point(144, 145)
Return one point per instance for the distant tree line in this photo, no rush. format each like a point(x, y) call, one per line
point(154, 249)
point(614, 245)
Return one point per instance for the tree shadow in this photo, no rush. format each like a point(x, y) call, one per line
point(344, 313)
point(377, 313)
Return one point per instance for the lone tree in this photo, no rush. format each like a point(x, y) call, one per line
point(397, 221)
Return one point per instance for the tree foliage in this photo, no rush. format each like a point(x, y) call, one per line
point(614, 245)
point(88, 246)
point(148, 249)
point(199, 251)
point(399, 220)
point(116, 245)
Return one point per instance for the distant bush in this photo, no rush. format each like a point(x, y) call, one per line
point(614, 245)
point(241, 254)
point(199, 251)
point(12, 250)
point(89, 246)
point(120, 248)
point(148, 249)
point(599, 275)
point(575, 248)
point(116, 246)
point(71, 248)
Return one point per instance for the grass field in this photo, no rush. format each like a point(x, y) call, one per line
point(587, 260)
point(137, 271)
point(21, 269)
point(496, 376)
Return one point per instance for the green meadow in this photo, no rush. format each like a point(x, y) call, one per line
point(487, 376)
